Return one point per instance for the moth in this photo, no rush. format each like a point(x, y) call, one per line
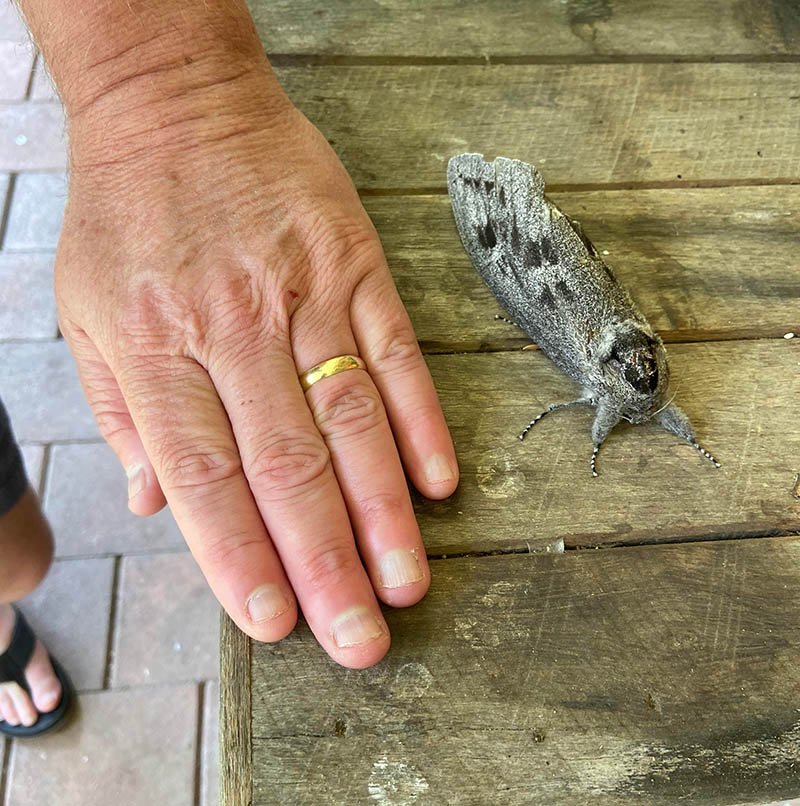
point(548, 275)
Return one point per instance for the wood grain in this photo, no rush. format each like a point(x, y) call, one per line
point(652, 486)
point(235, 768)
point(702, 263)
point(657, 675)
point(395, 126)
point(454, 28)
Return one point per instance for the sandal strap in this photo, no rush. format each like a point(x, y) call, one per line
point(15, 659)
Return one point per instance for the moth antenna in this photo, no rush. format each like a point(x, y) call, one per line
point(593, 460)
point(705, 453)
point(554, 407)
point(505, 319)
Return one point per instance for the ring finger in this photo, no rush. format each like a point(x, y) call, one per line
point(350, 415)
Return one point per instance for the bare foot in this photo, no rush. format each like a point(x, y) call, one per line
point(15, 704)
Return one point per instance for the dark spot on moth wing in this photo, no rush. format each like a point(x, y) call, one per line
point(564, 291)
point(489, 186)
point(531, 255)
point(503, 196)
point(486, 236)
point(548, 251)
point(514, 235)
point(546, 299)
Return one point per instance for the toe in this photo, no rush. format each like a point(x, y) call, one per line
point(23, 706)
point(42, 680)
point(7, 709)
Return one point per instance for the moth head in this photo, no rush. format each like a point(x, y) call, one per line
point(637, 365)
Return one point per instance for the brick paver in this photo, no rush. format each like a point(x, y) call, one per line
point(33, 457)
point(209, 795)
point(11, 25)
point(168, 622)
point(86, 500)
point(128, 748)
point(42, 88)
point(27, 304)
point(37, 207)
point(40, 387)
point(16, 61)
point(32, 137)
point(69, 612)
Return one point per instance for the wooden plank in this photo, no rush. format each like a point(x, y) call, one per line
point(702, 263)
point(741, 397)
point(396, 126)
point(657, 675)
point(454, 28)
point(235, 769)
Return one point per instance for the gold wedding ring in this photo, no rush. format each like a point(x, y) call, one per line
point(338, 363)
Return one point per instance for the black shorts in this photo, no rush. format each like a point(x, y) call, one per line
point(13, 481)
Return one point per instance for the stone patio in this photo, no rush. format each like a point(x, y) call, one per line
point(124, 606)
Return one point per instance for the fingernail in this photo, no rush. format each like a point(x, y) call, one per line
point(399, 567)
point(266, 602)
point(137, 480)
point(439, 469)
point(355, 626)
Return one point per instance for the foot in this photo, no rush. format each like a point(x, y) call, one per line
point(16, 706)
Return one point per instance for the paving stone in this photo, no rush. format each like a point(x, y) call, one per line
point(40, 388)
point(12, 26)
point(87, 503)
point(16, 63)
point(32, 137)
point(37, 208)
point(209, 793)
point(42, 87)
point(33, 457)
point(27, 303)
point(132, 748)
point(168, 622)
point(69, 611)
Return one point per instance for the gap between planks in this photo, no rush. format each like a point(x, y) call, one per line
point(390, 60)
point(656, 541)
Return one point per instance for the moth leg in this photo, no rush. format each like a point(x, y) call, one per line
point(675, 420)
point(499, 318)
point(580, 402)
point(605, 420)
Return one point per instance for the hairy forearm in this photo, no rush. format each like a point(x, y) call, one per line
point(142, 68)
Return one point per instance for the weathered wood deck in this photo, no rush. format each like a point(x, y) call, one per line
point(656, 658)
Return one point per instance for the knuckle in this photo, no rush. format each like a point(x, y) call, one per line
point(288, 463)
point(352, 407)
point(381, 508)
point(398, 350)
point(189, 465)
point(328, 564)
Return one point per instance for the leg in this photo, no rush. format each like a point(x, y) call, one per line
point(605, 420)
point(581, 402)
point(26, 549)
point(673, 419)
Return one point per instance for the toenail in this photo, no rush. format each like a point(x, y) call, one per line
point(355, 626)
point(49, 699)
point(399, 567)
point(266, 602)
point(137, 480)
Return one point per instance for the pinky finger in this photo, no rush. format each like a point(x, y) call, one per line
point(108, 406)
point(387, 343)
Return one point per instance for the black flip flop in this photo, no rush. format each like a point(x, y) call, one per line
point(13, 663)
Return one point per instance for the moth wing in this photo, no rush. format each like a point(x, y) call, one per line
point(514, 238)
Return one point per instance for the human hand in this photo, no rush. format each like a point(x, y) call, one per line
point(201, 267)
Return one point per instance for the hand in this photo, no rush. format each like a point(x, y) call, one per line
point(197, 274)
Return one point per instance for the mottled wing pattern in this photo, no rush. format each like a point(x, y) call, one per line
point(533, 259)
